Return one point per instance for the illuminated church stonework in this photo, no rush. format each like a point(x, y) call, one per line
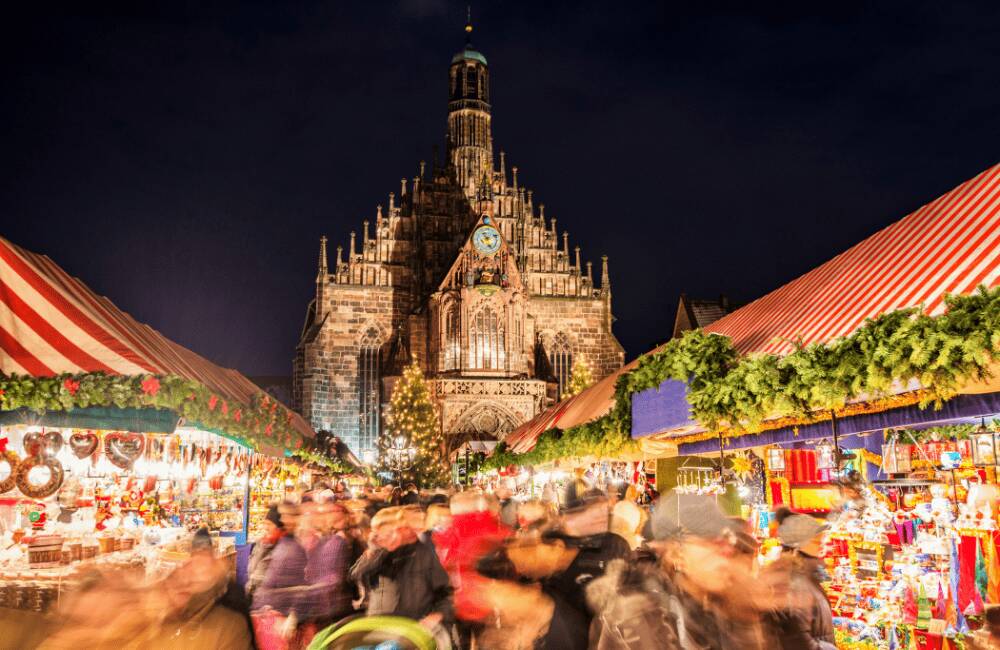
point(464, 272)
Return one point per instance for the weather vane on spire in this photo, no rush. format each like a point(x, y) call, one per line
point(468, 24)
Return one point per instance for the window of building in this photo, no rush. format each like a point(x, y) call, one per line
point(369, 389)
point(452, 338)
point(486, 341)
point(471, 81)
point(561, 360)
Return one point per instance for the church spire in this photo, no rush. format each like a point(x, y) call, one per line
point(322, 257)
point(321, 279)
point(468, 26)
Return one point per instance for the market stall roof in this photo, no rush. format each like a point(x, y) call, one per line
point(589, 404)
point(949, 246)
point(52, 323)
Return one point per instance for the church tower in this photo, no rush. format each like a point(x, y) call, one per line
point(462, 272)
point(470, 136)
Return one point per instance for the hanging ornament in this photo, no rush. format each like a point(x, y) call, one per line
point(741, 464)
point(123, 449)
point(10, 458)
point(41, 443)
point(83, 444)
point(39, 490)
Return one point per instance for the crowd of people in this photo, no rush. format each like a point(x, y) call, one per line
point(481, 570)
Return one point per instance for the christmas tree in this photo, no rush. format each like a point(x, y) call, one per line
point(412, 424)
point(580, 379)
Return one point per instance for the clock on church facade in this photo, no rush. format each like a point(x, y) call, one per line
point(462, 271)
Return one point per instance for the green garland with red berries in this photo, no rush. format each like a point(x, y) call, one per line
point(262, 422)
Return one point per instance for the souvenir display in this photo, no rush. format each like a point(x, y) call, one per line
point(110, 497)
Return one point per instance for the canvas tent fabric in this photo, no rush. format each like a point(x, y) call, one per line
point(590, 404)
point(949, 246)
point(51, 323)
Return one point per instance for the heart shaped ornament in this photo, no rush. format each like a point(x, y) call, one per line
point(42, 443)
point(83, 444)
point(123, 449)
point(33, 443)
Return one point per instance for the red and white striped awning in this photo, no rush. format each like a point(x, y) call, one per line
point(951, 245)
point(51, 323)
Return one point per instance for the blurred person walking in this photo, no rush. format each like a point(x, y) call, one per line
point(327, 566)
point(714, 600)
point(585, 532)
point(474, 531)
point(801, 614)
point(263, 549)
point(283, 596)
point(402, 577)
point(182, 612)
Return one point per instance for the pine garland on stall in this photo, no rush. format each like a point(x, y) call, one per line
point(413, 416)
point(737, 394)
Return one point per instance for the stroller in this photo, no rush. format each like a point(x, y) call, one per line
point(375, 633)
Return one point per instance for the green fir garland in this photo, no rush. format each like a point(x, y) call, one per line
point(262, 422)
point(941, 352)
point(331, 465)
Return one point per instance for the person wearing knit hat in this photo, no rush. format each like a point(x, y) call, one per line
point(803, 534)
point(260, 555)
point(803, 617)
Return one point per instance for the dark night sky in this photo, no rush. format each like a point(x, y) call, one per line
point(185, 159)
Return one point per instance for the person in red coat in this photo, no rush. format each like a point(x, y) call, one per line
point(474, 532)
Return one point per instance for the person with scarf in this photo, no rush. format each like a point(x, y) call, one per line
point(263, 548)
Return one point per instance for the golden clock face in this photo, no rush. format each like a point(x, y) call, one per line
point(486, 239)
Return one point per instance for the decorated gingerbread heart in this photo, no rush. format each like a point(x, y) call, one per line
point(123, 449)
point(43, 443)
point(83, 444)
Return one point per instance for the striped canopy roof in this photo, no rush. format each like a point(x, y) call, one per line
point(950, 245)
point(52, 323)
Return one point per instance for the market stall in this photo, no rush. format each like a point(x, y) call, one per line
point(868, 388)
point(115, 442)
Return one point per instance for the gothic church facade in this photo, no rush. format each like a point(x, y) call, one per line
point(464, 273)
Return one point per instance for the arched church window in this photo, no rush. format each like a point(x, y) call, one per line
point(369, 389)
point(561, 361)
point(486, 341)
point(452, 338)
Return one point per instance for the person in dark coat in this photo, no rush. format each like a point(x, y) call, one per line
point(712, 597)
point(801, 615)
point(584, 531)
point(402, 577)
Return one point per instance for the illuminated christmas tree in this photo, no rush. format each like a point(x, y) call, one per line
point(412, 445)
point(580, 379)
